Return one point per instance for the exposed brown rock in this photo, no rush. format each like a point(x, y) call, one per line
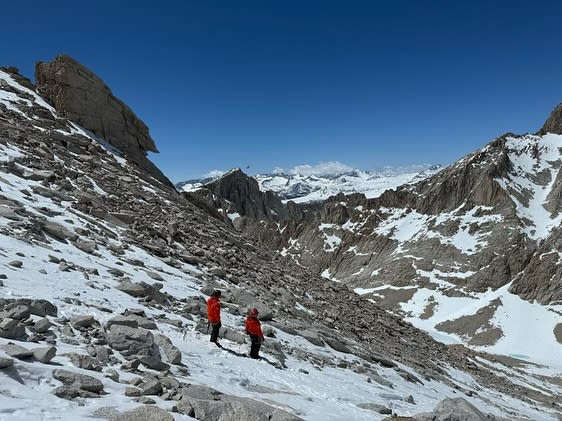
point(80, 95)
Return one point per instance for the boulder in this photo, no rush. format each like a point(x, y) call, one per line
point(85, 362)
point(45, 354)
point(146, 413)
point(82, 321)
point(131, 341)
point(454, 409)
point(42, 325)
point(6, 362)
point(59, 232)
point(11, 329)
point(172, 353)
point(16, 351)
point(80, 381)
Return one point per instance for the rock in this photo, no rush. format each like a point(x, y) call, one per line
point(155, 276)
point(131, 341)
point(19, 312)
point(151, 387)
point(142, 289)
point(59, 232)
point(337, 345)
point(86, 246)
point(311, 337)
point(6, 362)
point(453, 409)
point(82, 321)
point(85, 362)
point(79, 95)
point(146, 400)
point(232, 408)
point(134, 288)
point(107, 412)
point(133, 392)
point(11, 329)
point(16, 263)
point(81, 381)
point(153, 362)
point(38, 307)
point(71, 392)
point(146, 413)
point(172, 353)
point(9, 213)
point(381, 409)
point(16, 351)
point(42, 325)
point(45, 354)
point(112, 374)
point(130, 321)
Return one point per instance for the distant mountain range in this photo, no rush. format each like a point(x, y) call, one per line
point(306, 183)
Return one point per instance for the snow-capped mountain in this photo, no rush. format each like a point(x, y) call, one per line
point(310, 184)
point(306, 183)
point(104, 269)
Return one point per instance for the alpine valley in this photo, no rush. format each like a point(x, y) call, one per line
point(436, 296)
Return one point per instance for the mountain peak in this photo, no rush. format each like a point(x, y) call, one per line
point(553, 123)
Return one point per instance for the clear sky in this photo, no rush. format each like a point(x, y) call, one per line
point(268, 84)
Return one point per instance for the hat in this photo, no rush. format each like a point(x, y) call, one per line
point(216, 293)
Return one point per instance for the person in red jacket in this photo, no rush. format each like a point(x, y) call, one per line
point(253, 328)
point(214, 315)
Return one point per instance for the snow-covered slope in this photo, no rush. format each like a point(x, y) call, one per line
point(307, 183)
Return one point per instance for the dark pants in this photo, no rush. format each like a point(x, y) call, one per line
point(255, 348)
point(215, 331)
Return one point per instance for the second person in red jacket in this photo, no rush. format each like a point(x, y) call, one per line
point(253, 328)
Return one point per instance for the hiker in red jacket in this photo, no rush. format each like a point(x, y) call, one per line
point(214, 315)
point(253, 328)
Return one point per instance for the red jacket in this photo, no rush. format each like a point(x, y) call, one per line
point(213, 310)
point(253, 326)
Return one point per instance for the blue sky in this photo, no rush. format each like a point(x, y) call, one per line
point(268, 84)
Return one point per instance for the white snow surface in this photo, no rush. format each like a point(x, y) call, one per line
point(532, 157)
point(528, 328)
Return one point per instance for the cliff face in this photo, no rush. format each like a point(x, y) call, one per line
point(81, 96)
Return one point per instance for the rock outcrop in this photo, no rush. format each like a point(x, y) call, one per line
point(80, 95)
point(553, 123)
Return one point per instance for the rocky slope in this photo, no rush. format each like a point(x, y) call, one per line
point(102, 271)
